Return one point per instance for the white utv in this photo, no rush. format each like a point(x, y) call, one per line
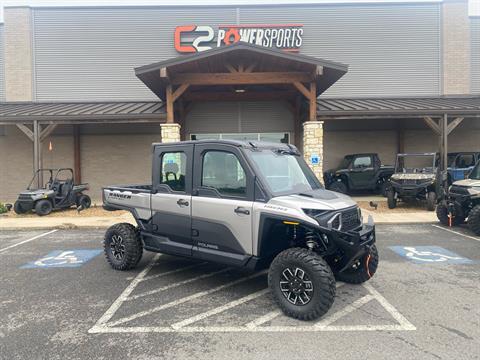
point(250, 205)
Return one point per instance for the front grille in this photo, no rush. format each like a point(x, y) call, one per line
point(460, 190)
point(24, 197)
point(350, 219)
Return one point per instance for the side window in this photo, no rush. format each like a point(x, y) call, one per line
point(464, 161)
point(172, 170)
point(222, 171)
point(362, 162)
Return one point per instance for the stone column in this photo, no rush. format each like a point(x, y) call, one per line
point(313, 146)
point(170, 132)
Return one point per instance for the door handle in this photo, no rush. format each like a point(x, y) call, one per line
point(182, 202)
point(242, 210)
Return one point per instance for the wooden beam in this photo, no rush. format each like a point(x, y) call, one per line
point(231, 68)
point(240, 68)
point(233, 96)
point(241, 78)
point(163, 73)
point(313, 101)
point(47, 131)
point(250, 67)
point(37, 152)
point(302, 89)
point(169, 96)
point(319, 70)
point(26, 131)
point(432, 125)
point(77, 166)
point(181, 89)
point(454, 124)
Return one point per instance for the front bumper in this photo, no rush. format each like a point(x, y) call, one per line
point(410, 191)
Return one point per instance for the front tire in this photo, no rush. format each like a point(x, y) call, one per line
point(474, 220)
point(431, 201)
point(43, 207)
point(302, 283)
point(18, 208)
point(122, 246)
point(442, 215)
point(339, 186)
point(367, 267)
point(391, 200)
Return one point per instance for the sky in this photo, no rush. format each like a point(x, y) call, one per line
point(474, 9)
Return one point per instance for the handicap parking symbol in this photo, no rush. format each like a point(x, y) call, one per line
point(63, 258)
point(429, 254)
point(315, 159)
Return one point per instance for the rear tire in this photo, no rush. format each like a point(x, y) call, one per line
point(122, 246)
point(302, 283)
point(18, 208)
point(431, 201)
point(339, 186)
point(474, 220)
point(368, 267)
point(391, 200)
point(43, 207)
point(84, 200)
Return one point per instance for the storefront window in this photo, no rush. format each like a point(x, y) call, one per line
point(268, 137)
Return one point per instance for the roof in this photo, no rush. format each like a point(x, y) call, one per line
point(454, 105)
point(82, 111)
point(214, 60)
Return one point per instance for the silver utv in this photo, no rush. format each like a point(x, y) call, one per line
point(251, 205)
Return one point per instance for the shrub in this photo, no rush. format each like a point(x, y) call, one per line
point(3, 208)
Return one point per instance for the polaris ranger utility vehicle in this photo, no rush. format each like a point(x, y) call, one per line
point(359, 172)
point(462, 202)
point(250, 205)
point(414, 178)
point(59, 192)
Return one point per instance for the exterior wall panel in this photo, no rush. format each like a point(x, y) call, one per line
point(391, 49)
point(2, 65)
point(236, 117)
point(475, 55)
point(90, 53)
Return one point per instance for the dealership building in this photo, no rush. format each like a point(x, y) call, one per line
point(92, 87)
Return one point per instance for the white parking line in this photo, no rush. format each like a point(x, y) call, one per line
point(182, 300)
point(28, 240)
point(345, 311)
point(219, 309)
point(456, 232)
point(177, 284)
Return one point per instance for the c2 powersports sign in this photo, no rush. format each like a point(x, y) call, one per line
point(193, 38)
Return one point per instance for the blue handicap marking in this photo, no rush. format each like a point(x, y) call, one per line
point(430, 254)
point(315, 159)
point(63, 258)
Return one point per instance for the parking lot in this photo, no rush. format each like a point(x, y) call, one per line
point(59, 299)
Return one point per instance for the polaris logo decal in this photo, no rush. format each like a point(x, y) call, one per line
point(193, 38)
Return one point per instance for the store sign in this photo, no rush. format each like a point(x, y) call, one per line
point(193, 38)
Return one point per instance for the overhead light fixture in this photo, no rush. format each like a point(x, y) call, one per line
point(239, 90)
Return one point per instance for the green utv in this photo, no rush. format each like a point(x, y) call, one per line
point(462, 202)
point(60, 192)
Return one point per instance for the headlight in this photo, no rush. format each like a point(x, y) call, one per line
point(314, 213)
point(474, 190)
point(326, 218)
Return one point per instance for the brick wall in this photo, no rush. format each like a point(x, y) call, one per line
point(456, 47)
point(18, 54)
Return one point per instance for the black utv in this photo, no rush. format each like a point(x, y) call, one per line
point(60, 192)
point(415, 178)
point(358, 172)
point(462, 202)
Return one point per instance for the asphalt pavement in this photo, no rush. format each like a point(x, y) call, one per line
point(59, 299)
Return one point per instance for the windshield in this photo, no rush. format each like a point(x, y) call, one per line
point(284, 173)
point(345, 163)
point(475, 174)
point(415, 164)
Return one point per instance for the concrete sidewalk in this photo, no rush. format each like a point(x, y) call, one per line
point(98, 222)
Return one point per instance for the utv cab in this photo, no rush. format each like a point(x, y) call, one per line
point(59, 192)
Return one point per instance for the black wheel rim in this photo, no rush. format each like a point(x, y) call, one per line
point(117, 247)
point(45, 207)
point(296, 286)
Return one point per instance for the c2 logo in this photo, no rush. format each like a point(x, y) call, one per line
point(198, 40)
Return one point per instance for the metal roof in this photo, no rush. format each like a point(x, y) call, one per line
point(116, 111)
point(454, 105)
